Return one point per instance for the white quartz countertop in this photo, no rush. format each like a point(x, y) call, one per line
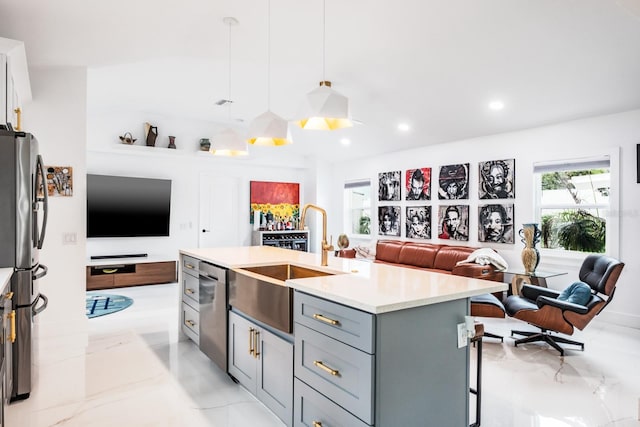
point(375, 288)
point(5, 276)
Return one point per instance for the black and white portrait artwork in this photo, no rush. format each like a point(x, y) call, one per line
point(418, 184)
point(389, 186)
point(453, 222)
point(495, 223)
point(496, 179)
point(389, 220)
point(418, 221)
point(454, 182)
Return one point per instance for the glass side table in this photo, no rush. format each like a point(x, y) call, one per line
point(538, 278)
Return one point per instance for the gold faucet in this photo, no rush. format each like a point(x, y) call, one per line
point(325, 247)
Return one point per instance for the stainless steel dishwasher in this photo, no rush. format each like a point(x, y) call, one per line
point(213, 313)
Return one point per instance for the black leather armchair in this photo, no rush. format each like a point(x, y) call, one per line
point(540, 307)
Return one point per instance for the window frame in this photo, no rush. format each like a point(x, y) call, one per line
point(612, 239)
point(348, 208)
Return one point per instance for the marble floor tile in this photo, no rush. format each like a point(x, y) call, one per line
point(136, 370)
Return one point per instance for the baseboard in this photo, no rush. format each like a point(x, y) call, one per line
point(618, 318)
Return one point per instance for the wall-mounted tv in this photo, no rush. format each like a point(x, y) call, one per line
point(120, 206)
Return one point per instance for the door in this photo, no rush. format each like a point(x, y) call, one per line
point(219, 220)
point(242, 360)
point(275, 375)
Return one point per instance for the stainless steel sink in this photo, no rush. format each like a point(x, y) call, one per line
point(260, 292)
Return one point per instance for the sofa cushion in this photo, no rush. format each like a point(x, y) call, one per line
point(388, 251)
point(448, 256)
point(418, 255)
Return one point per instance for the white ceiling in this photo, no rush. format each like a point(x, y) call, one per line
point(432, 63)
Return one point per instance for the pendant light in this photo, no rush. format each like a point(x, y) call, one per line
point(268, 128)
point(227, 142)
point(323, 108)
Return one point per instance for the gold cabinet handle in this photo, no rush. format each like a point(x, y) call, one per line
point(8, 295)
point(190, 323)
point(109, 270)
point(324, 319)
point(251, 331)
point(256, 337)
point(189, 291)
point(190, 266)
point(325, 368)
point(317, 424)
point(12, 335)
point(18, 112)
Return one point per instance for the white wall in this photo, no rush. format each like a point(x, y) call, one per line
point(57, 117)
point(576, 139)
point(184, 166)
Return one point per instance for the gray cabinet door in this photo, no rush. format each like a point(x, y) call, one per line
point(242, 363)
point(275, 374)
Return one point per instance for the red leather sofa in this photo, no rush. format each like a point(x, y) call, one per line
point(433, 257)
point(441, 259)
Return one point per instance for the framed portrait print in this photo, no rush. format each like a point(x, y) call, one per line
point(389, 186)
point(453, 182)
point(453, 222)
point(418, 222)
point(418, 184)
point(496, 179)
point(389, 220)
point(495, 223)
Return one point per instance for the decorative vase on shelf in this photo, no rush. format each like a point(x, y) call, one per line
point(205, 144)
point(172, 142)
point(530, 236)
point(151, 133)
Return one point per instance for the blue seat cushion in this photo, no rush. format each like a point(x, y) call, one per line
point(576, 293)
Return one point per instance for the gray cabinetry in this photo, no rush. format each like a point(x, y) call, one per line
point(390, 369)
point(6, 338)
point(263, 363)
point(189, 304)
point(203, 304)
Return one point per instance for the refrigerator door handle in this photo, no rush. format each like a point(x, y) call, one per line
point(37, 310)
point(37, 276)
point(45, 198)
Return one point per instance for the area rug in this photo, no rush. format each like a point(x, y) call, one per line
point(103, 304)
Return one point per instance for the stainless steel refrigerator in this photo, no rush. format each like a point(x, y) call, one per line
point(23, 220)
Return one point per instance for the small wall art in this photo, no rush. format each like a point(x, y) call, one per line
point(389, 186)
point(59, 181)
point(453, 182)
point(275, 201)
point(496, 179)
point(418, 184)
point(389, 220)
point(495, 223)
point(418, 222)
point(453, 222)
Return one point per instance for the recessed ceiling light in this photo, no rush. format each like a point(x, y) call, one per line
point(345, 141)
point(404, 127)
point(496, 105)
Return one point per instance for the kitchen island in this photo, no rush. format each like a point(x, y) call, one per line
point(374, 344)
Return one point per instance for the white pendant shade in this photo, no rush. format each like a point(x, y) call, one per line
point(269, 129)
point(324, 109)
point(228, 143)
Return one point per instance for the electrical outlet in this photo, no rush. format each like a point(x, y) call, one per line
point(69, 238)
point(462, 335)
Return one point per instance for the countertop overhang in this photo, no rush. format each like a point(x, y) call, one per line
point(371, 287)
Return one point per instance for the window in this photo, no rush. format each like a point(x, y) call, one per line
point(574, 205)
point(357, 203)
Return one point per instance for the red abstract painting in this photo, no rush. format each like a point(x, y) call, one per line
point(280, 199)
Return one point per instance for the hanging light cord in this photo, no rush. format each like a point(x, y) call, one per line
point(229, 76)
point(324, 7)
point(269, 55)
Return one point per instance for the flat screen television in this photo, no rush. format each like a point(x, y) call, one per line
point(120, 206)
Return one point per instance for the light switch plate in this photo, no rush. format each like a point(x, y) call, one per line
point(462, 335)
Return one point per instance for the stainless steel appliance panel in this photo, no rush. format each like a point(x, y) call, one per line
point(213, 313)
